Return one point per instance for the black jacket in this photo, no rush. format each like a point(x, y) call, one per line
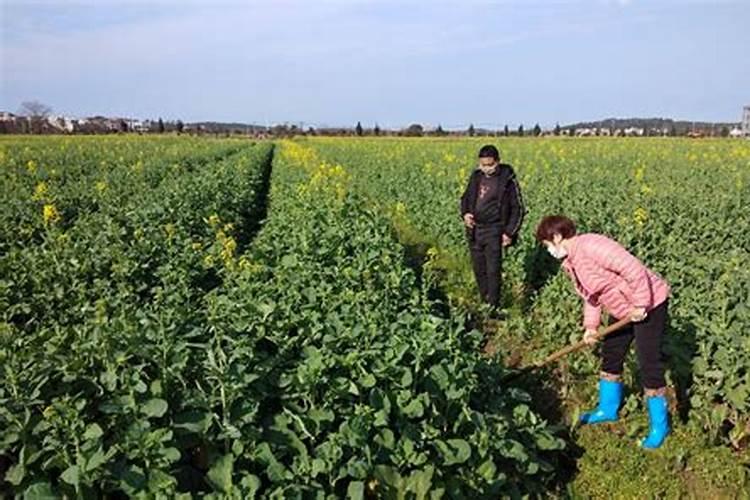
point(511, 203)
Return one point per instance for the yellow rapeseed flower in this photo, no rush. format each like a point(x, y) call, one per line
point(640, 215)
point(213, 220)
point(40, 191)
point(638, 174)
point(229, 246)
point(50, 213)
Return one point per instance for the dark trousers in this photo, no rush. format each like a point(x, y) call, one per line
point(487, 259)
point(648, 336)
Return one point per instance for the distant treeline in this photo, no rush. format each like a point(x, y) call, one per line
point(47, 124)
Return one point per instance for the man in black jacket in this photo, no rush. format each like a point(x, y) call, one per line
point(492, 211)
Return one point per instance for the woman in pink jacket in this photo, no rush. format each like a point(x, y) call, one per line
point(608, 277)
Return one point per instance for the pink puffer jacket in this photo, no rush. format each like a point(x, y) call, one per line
point(606, 275)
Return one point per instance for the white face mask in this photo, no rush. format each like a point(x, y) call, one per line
point(558, 253)
point(487, 170)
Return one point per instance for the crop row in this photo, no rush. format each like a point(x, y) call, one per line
point(102, 328)
point(337, 377)
point(51, 183)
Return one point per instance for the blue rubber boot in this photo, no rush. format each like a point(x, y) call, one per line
point(610, 397)
point(658, 416)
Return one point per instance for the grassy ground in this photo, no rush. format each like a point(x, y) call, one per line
point(608, 461)
point(612, 466)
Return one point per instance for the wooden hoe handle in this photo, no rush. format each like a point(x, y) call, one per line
point(581, 344)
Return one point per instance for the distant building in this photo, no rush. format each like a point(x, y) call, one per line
point(61, 124)
point(140, 125)
point(633, 132)
point(746, 121)
point(736, 132)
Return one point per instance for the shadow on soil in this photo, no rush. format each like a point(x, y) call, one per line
point(257, 212)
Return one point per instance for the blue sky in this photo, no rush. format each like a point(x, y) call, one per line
point(393, 63)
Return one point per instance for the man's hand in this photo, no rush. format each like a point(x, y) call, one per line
point(469, 220)
point(590, 337)
point(506, 240)
point(638, 314)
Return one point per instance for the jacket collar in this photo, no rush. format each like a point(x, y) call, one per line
point(569, 261)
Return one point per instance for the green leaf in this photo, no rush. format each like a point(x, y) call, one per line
point(289, 260)
point(440, 376)
point(414, 409)
point(437, 494)
point(93, 431)
point(156, 387)
point(140, 387)
point(487, 470)
point(220, 474)
point(15, 474)
point(389, 476)
point(356, 490)
point(171, 454)
point(193, 421)
point(70, 475)
point(381, 419)
point(109, 380)
point(250, 484)
point(420, 482)
point(738, 396)
point(367, 380)
point(95, 460)
point(353, 389)
point(386, 439)
point(275, 470)
point(317, 467)
point(546, 441)
point(40, 491)
point(155, 407)
point(133, 480)
point(406, 378)
point(454, 451)
point(320, 415)
point(380, 401)
point(266, 310)
point(513, 449)
point(160, 481)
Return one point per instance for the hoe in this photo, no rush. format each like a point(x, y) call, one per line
point(566, 350)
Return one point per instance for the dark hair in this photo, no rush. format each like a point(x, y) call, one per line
point(555, 224)
point(489, 151)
